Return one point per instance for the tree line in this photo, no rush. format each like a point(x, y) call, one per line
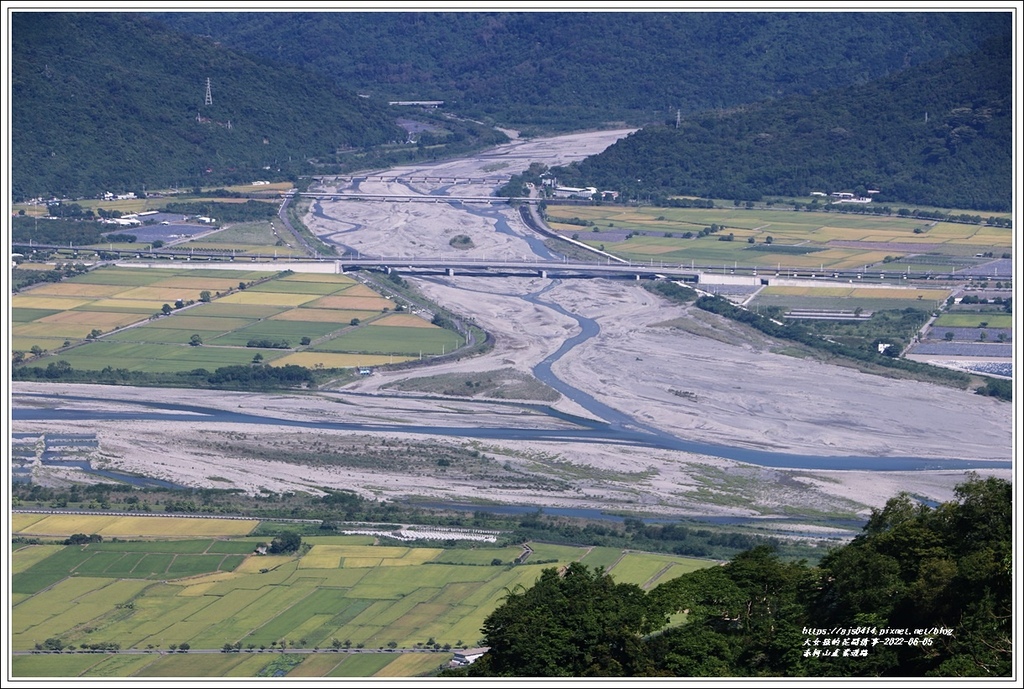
point(922, 591)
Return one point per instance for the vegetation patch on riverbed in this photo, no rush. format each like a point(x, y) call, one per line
point(506, 383)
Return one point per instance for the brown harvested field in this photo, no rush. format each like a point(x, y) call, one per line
point(98, 319)
point(340, 302)
point(322, 315)
point(75, 289)
point(406, 320)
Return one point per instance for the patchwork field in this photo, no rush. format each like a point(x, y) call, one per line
point(782, 239)
point(849, 299)
point(338, 597)
point(124, 318)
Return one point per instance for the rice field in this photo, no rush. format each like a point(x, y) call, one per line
point(115, 317)
point(974, 320)
point(849, 298)
point(833, 241)
point(340, 589)
point(127, 527)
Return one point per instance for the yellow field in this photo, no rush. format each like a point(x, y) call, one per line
point(413, 664)
point(405, 320)
point(51, 330)
point(321, 557)
point(119, 303)
point(170, 294)
point(57, 303)
point(323, 315)
point(859, 292)
point(267, 298)
point(317, 665)
point(22, 520)
point(333, 360)
point(73, 289)
point(110, 526)
point(104, 320)
point(363, 562)
point(357, 303)
point(189, 282)
point(421, 555)
point(255, 564)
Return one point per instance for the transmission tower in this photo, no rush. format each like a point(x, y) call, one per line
point(209, 93)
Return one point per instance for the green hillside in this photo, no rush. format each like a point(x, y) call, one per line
point(570, 70)
point(937, 134)
point(114, 102)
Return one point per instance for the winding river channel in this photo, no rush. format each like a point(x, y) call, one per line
point(613, 428)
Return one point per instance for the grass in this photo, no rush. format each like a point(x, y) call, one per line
point(501, 384)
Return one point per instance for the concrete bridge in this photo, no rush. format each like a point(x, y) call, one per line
point(414, 179)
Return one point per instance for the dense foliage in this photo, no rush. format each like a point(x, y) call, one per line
point(225, 212)
point(569, 70)
point(252, 377)
point(921, 592)
point(936, 135)
point(115, 102)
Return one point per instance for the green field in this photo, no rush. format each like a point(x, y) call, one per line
point(393, 340)
point(214, 591)
point(974, 320)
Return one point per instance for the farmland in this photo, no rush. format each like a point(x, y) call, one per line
point(339, 606)
point(849, 299)
point(769, 238)
point(168, 321)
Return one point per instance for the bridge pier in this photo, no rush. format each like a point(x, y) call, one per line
point(450, 272)
point(543, 273)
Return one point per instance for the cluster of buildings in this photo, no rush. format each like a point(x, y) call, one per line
point(846, 196)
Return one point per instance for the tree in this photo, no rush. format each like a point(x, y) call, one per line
point(574, 623)
point(949, 336)
point(285, 543)
point(354, 321)
point(205, 295)
point(258, 358)
point(195, 341)
point(166, 308)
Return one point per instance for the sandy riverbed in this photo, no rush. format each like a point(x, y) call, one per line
point(674, 368)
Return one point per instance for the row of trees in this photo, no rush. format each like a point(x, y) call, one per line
point(921, 592)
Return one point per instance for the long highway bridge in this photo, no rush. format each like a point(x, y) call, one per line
point(496, 266)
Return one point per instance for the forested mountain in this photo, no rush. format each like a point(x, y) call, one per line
point(112, 102)
point(937, 134)
point(572, 70)
point(921, 592)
